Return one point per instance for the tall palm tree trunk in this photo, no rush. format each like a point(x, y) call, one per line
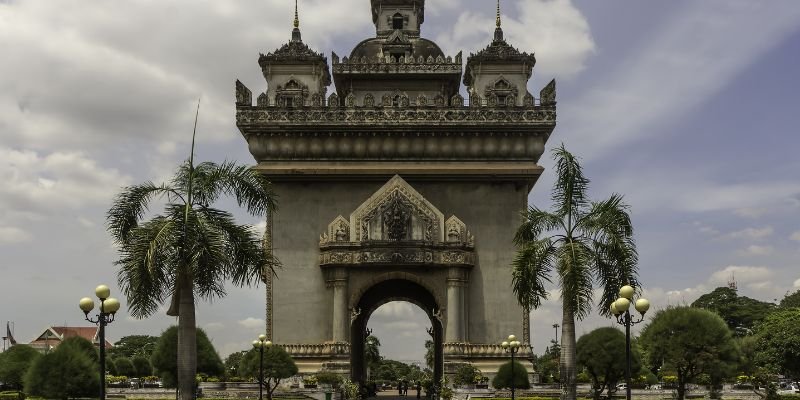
point(187, 339)
point(569, 389)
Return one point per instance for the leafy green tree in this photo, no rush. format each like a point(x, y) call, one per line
point(372, 350)
point(741, 313)
point(391, 370)
point(691, 341)
point(190, 249)
point(66, 372)
point(430, 356)
point(467, 374)
point(778, 343)
point(791, 300)
point(134, 345)
point(277, 365)
point(232, 363)
point(142, 366)
point(111, 368)
point(164, 358)
point(601, 353)
point(82, 345)
point(125, 367)
point(15, 362)
point(503, 377)
point(583, 242)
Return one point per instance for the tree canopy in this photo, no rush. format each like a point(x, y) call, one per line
point(504, 376)
point(125, 367)
point(692, 341)
point(601, 353)
point(277, 365)
point(134, 345)
point(165, 356)
point(14, 363)
point(67, 372)
point(791, 300)
point(778, 342)
point(584, 243)
point(740, 313)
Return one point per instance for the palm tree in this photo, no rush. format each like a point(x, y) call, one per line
point(583, 242)
point(190, 249)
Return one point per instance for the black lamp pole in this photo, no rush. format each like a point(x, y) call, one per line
point(621, 310)
point(260, 344)
point(108, 309)
point(511, 346)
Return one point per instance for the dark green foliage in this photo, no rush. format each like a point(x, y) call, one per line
point(691, 341)
point(329, 378)
point(778, 342)
point(134, 345)
point(142, 366)
point(740, 313)
point(164, 358)
point(111, 368)
point(429, 353)
point(601, 353)
point(503, 377)
point(232, 363)
point(14, 363)
point(467, 374)
point(12, 395)
point(372, 350)
point(392, 371)
point(277, 365)
point(82, 345)
point(791, 300)
point(66, 372)
point(125, 367)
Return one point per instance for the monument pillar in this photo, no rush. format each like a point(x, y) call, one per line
point(456, 280)
point(341, 318)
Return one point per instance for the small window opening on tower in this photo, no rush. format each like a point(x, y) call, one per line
point(396, 101)
point(397, 21)
point(398, 57)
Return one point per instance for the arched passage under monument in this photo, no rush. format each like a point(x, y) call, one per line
point(394, 289)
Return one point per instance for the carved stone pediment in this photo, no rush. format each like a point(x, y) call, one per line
point(397, 225)
point(397, 212)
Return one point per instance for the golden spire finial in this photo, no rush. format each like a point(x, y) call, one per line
point(296, 19)
point(498, 13)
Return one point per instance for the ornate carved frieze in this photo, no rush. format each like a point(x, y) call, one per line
point(317, 349)
point(361, 146)
point(482, 350)
point(392, 65)
point(396, 226)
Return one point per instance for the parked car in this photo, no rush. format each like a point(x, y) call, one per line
point(622, 386)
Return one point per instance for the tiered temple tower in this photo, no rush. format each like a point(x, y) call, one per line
point(394, 187)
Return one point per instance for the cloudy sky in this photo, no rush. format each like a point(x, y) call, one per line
point(688, 108)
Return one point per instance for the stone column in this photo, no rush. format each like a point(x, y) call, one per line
point(341, 318)
point(267, 276)
point(454, 331)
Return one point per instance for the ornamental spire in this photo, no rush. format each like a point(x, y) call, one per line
point(498, 14)
point(498, 31)
point(297, 20)
point(296, 30)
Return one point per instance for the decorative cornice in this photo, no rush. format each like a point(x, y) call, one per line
point(473, 350)
point(421, 254)
point(303, 350)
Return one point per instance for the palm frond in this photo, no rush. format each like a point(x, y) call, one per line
point(531, 270)
point(147, 261)
point(250, 189)
point(569, 190)
point(129, 207)
point(608, 224)
point(574, 265)
point(535, 222)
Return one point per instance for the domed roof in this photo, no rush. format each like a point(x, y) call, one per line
point(373, 47)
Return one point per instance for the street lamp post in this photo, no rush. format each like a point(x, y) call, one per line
point(511, 346)
point(108, 309)
point(260, 344)
point(620, 309)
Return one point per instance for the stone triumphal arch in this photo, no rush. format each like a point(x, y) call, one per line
point(394, 187)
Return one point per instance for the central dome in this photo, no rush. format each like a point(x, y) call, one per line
point(375, 47)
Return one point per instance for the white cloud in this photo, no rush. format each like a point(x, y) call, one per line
point(795, 236)
point(797, 283)
point(756, 250)
point(252, 323)
point(742, 274)
point(750, 212)
point(556, 31)
point(13, 235)
point(751, 233)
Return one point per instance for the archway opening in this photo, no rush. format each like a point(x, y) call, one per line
point(389, 292)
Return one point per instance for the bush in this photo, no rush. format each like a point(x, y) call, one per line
point(165, 356)
point(467, 374)
point(503, 377)
point(14, 363)
point(12, 395)
point(142, 366)
point(125, 366)
point(69, 371)
point(329, 378)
